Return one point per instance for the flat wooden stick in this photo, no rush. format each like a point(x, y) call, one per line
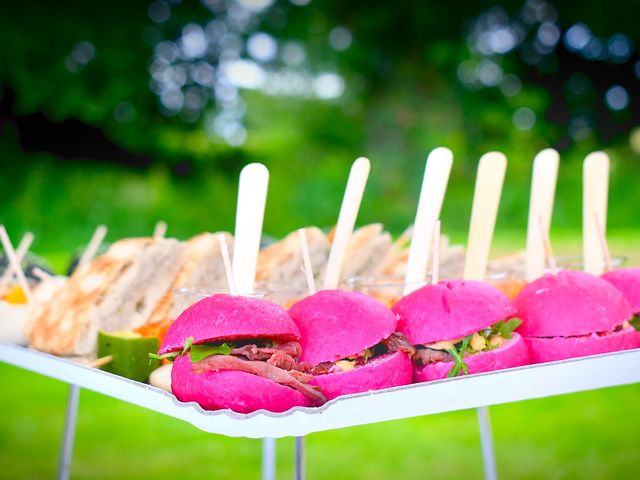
point(435, 264)
point(306, 261)
point(594, 204)
point(101, 362)
point(603, 243)
point(160, 230)
point(546, 242)
point(346, 220)
point(14, 263)
point(434, 186)
point(226, 260)
point(23, 248)
point(94, 245)
point(41, 274)
point(252, 198)
point(486, 200)
point(543, 188)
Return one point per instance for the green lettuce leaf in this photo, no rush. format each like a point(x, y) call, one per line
point(172, 355)
point(200, 352)
point(635, 322)
point(457, 352)
point(505, 328)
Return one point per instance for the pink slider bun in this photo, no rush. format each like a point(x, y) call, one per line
point(391, 370)
point(335, 324)
point(573, 314)
point(454, 309)
point(512, 353)
point(568, 304)
point(229, 317)
point(449, 310)
point(559, 348)
point(627, 280)
point(239, 391)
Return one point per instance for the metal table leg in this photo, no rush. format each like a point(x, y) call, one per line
point(299, 458)
point(268, 459)
point(486, 439)
point(66, 452)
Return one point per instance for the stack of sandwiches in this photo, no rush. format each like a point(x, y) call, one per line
point(136, 284)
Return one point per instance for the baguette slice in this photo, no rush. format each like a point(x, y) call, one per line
point(116, 291)
point(201, 271)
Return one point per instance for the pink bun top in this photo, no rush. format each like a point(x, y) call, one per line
point(227, 317)
point(450, 310)
point(627, 280)
point(335, 324)
point(570, 303)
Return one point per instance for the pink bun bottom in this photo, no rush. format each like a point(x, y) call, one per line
point(559, 348)
point(238, 391)
point(383, 372)
point(512, 353)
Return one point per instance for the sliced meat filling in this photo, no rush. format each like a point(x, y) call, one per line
point(396, 342)
point(294, 379)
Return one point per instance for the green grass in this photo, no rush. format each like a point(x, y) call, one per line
point(585, 435)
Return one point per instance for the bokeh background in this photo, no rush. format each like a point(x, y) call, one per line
point(126, 113)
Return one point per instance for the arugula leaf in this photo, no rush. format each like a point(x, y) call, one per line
point(172, 355)
point(200, 352)
point(506, 328)
point(635, 322)
point(187, 345)
point(165, 356)
point(367, 354)
point(457, 352)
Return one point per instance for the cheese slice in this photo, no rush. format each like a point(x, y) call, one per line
point(346, 365)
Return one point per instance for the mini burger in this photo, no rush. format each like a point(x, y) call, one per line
point(238, 353)
point(627, 280)
point(460, 327)
point(573, 314)
point(348, 343)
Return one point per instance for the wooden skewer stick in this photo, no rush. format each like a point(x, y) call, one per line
point(252, 198)
point(306, 261)
point(101, 362)
point(14, 263)
point(346, 220)
point(486, 199)
point(543, 188)
point(94, 244)
point(160, 230)
point(41, 274)
point(434, 186)
point(594, 201)
point(603, 243)
point(546, 242)
point(23, 248)
point(435, 263)
point(226, 260)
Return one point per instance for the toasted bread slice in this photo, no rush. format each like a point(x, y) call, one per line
point(116, 291)
point(201, 271)
point(280, 264)
point(367, 251)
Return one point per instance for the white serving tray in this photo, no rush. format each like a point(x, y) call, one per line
point(534, 381)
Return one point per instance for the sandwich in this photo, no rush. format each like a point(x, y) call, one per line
point(367, 251)
point(237, 353)
point(201, 270)
point(460, 327)
point(573, 314)
point(116, 291)
point(279, 263)
point(627, 280)
point(349, 344)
